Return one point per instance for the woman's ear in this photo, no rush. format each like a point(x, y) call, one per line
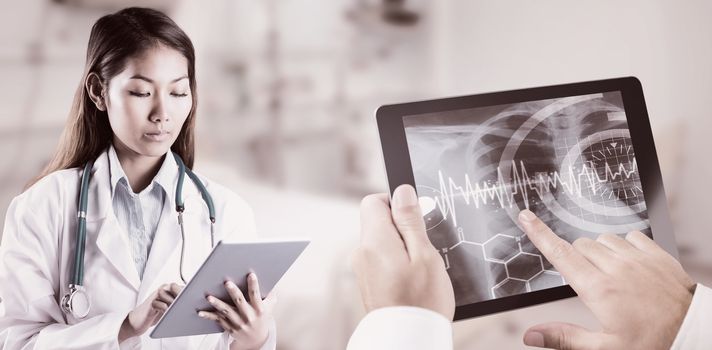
point(96, 91)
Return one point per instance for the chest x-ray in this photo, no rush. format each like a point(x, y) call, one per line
point(569, 160)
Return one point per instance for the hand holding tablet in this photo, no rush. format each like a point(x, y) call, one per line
point(390, 275)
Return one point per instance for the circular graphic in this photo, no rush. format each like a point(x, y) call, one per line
point(613, 160)
point(428, 197)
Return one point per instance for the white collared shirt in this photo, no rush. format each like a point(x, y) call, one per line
point(138, 214)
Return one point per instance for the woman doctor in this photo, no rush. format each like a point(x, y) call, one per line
point(136, 103)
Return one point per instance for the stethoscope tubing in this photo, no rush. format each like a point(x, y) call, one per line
point(78, 276)
point(76, 284)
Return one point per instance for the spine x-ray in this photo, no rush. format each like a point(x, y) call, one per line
point(569, 160)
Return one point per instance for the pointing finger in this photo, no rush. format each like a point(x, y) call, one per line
point(575, 268)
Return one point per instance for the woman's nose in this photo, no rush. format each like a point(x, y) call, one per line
point(159, 113)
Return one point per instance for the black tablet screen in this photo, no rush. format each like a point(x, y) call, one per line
point(570, 160)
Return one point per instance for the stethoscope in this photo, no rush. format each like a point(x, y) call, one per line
point(76, 302)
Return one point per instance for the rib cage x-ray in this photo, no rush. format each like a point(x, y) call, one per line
point(569, 160)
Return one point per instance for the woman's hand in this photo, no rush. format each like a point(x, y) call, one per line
point(149, 312)
point(247, 322)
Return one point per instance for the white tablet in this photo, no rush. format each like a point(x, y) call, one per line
point(270, 260)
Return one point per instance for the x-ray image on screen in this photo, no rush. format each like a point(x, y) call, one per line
point(569, 160)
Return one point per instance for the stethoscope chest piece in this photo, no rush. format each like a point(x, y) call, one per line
point(76, 302)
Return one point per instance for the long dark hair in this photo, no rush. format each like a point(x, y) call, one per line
point(114, 39)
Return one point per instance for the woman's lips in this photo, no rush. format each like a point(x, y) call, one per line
point(157, 136)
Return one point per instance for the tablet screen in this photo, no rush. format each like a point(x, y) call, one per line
point(570, 160)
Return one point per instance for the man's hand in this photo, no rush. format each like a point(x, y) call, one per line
point(638, 292)
point(396, 265)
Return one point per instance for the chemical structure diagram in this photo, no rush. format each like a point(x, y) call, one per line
point(524, 269)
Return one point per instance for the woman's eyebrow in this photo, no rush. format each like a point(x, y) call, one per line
point(179, 79)
point(144, 78)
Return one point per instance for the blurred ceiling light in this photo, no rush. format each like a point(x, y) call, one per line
point(391, 12)
point(395, 12)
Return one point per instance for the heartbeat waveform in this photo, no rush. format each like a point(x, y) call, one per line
point(503, 192)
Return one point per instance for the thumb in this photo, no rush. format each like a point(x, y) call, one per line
point(408, 219)
point(563, 336)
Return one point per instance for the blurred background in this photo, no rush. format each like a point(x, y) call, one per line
point(287, 91)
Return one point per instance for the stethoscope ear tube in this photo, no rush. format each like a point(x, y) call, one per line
point(182, 170)
point(180, 206)
point(78, 276)
point(76, 302)
point(203, 193)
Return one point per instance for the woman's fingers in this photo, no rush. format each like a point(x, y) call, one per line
point(209, 315)
point(226, 326)
point(253, 291)
point(226, 311)
point(224, 323)
point(175, 289)
point(159, 305)
point(243, 307)
point(161, 299)
point(165, 296)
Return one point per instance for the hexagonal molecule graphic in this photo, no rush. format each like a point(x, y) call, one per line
point(546, 280)
point(524, 266)
point(528, 247)
point(498, 272)
point(501, 248)
point(473, 276)
point(509, 287)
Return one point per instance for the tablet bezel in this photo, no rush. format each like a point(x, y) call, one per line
point(399, 169)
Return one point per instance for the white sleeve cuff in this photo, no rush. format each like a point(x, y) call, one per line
point(402, 327)
point(694, 332)
point(271, 343)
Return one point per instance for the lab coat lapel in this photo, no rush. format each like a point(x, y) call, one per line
point(109, 237)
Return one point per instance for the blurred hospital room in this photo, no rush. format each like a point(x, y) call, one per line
point(287, 91)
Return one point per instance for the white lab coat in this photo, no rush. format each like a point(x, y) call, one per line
point(38, 247)
point(414, 328)
point(402, 327)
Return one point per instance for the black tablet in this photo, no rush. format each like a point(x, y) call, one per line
point(581, 156)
